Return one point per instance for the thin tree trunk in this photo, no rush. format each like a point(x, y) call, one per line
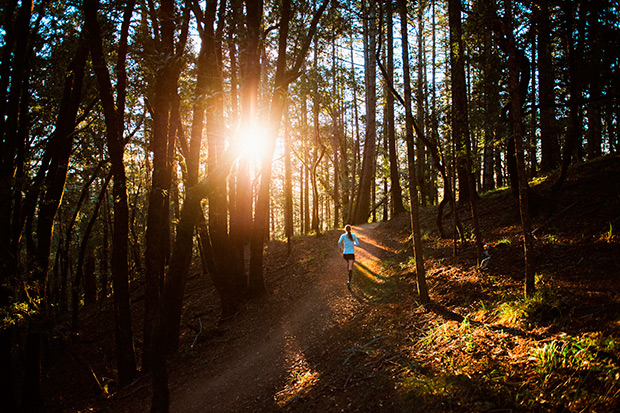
point(335, 138)
point(306, 169)
point(594, 132)
point(573, 130)
point(420, 110)
point(396, 191)
point(316, 217)
point(288, 186)
point(504, 29)
point(409, 122)
point(82, 255)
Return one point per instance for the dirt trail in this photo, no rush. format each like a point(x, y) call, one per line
point(265, 360)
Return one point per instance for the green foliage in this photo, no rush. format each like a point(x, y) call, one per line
point(578, 368)
point(468, 232)
point(609, 234)
point(504, 241)
point(552, 239)
point(17, 312)
point(543, 307)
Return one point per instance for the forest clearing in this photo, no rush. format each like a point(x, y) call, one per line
point(313, 345)
point(176, 177)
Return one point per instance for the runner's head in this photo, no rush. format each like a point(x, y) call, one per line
point(348, 229)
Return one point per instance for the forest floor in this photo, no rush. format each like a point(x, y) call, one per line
point(311, 344)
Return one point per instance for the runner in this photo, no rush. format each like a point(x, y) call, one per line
point(346, 244)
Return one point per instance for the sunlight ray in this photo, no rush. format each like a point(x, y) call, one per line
point(300, 376)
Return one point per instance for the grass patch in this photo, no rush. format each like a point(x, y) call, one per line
point(504, 241)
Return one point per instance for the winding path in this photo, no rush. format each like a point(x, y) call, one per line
point(265, 362)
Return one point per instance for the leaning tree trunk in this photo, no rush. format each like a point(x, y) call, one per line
point(48, 207)
point(113, 114)
point(79, 272)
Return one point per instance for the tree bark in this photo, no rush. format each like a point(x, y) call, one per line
point(396, 191)
point(79, 271)
point(420, 110)
point(113, 114)
point(594, 132)
point(573, 129)
point(288, 188)
point(13, 81)
point(460, 123)
point(550, 149)
point(367, 177)
point(503, 28)
point(414, 201)
point(157, 239)
point(283, 78)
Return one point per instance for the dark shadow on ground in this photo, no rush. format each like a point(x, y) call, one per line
point(369, 287)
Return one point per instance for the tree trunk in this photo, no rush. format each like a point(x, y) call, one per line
point(14, 73)
point(288, 187)
point(335, 138)
point(113, 114)
point(420, 110)
point(283, 78)
point(367, 177)
point(157, 239)
point(316, 217)
point(306, 168)
point(79, 272)
point(515, 85)
point(61, 148)
point(104, 260)
point(396, 191)
point(48, 207)
point(550, 149)
point(356, 145)
point(250, 71)
point(414, 202)
point(594, 132)
point(460, 127)
point(573, 129)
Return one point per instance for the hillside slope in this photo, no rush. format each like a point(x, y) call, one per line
point(313, 345)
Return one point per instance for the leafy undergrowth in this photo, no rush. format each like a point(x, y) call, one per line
point(478, 346)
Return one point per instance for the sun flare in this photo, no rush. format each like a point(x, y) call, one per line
point(252, 141)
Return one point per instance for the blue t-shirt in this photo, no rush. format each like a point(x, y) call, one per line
point(349, 246)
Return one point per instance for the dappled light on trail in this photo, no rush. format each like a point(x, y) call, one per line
point(300, 375)
point(372, 282)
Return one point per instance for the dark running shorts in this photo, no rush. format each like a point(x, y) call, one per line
point(348, 257)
